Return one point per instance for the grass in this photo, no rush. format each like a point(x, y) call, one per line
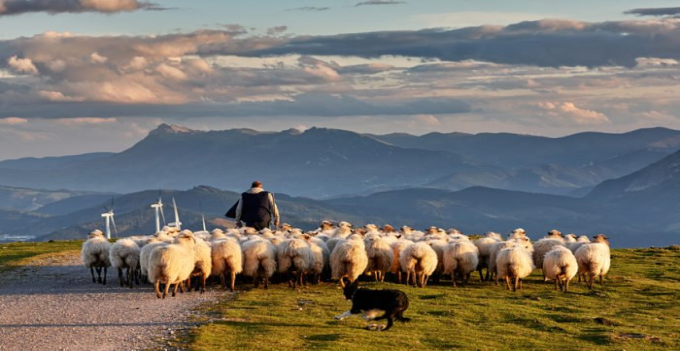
point(13, 255)
point(638, 309)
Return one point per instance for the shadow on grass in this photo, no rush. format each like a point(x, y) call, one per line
point(324, 337)
point(596, 336)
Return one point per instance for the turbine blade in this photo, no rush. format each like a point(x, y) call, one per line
point(162, 215)
point(115, 230)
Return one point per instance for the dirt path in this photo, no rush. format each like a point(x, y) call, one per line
point(53, 305)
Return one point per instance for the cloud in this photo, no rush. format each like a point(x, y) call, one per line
point(58, 96)
point(312, 104)
point(17, 7)
point(22, 65)
point(662, 11)
point(428, 120)
point(310, 9)
point(12, 121)
point(548, 43)
point(278, 30)
point(379, 2)
point(85, 121)
point(570, 112)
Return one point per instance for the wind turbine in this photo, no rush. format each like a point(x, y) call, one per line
point(202, 215)
point(109, 219)
point(177, 224)
point(158, 207)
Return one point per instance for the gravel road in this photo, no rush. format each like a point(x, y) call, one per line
point(53, 305)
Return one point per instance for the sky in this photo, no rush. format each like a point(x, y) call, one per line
point(81, 76)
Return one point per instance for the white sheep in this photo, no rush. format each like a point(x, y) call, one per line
point(397, 248)
point(172, 264)
point(145, 254)
point(543, 246)
point(410, 234)
point(514, 263)
point(439, 246)
point(497, 247)
point(95, 255)
point(321, 259)
point(560, 264)
point(295, 259)
point(380, 256)
point(419, 261)
point(227, 258)
point(484, 246)
point(202, 263)
point(594, 260)
point(579, 242)
point(517, 233)
point(259, 260)
point(124, 254)
point(460, 257)
point(348, 259)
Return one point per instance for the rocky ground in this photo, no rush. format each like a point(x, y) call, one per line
point(52, 304)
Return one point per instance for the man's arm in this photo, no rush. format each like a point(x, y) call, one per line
point(275, 209)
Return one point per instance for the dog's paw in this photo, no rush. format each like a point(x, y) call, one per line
point(375, 327)
point(339, 318)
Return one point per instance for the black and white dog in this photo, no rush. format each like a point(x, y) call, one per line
point(393, 302)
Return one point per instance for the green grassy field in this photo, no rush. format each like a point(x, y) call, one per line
point(15, 254)
point(638, 309)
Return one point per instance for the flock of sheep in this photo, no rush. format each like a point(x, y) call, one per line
point(182, 259)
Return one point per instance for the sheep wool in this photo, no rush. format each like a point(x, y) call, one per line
point(172, 264)
point(380, 257)
point(418, 261)
point(259, 260)
point(460, 257)
point(348, 259)
point(124, 255)
point(514, 263)
point(95, 255)
point(594, 260)
point(560, 264)
point(227, 258)
point(295, 259)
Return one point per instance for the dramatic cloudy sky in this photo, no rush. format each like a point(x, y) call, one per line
point(96, 75)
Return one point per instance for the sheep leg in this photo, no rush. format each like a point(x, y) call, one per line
point(266, 282)
point(557, 281)
point(453, 279)
point(566, 285)
point(399, 276)
point(601, 280)
point(137, 274)
point(120, 277)
point(233, 280)
point(507, 282)
point(223, 280)
point(130, 273)
point(180, 285)
point(515, 284)
point(342, 282)
point(408, 275)
point(92, 272)
point(104, 282)
point(481, 277)
point(156, 286)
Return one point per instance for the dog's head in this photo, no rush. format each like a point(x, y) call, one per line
point(350, 289)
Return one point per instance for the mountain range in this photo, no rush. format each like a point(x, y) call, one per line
point(325, 163)
point(447, 180)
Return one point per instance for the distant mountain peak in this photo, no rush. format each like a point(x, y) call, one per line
point(171, 129)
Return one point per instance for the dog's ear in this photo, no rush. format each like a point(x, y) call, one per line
point(355, 284)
